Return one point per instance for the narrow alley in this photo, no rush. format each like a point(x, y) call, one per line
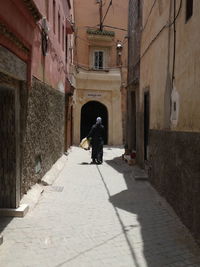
point(97, 215)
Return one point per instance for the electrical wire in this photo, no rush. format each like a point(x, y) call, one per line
point(167, 25)
point(86, 41)
point(174, 52)
point(175, 17)
point(149, 14)
point(110, 4)
point(116, 28)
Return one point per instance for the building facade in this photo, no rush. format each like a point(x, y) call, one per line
point(101, 67)
point(33, 74)
point(168, 102)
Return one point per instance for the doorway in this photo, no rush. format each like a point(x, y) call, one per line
point(146, 125)
point(10, 148)
point(132, 125)
point(89, 112)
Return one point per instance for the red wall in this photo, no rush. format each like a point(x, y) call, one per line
point(14, 13)
point(50, 68)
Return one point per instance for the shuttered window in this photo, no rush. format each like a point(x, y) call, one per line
point(98, 60)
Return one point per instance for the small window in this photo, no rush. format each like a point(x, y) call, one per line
point(98, 60)
point(189, 9)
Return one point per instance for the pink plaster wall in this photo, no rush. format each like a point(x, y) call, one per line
point(21, 23)
point(51, 69)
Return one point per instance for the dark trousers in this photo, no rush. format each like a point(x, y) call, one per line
point(97, 151)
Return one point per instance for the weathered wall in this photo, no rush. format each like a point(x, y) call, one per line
point(157, 61)
point(175, 173)
point(174, 157)
point(39, 105)
point(44, 136)
point(187, 69)
point(54, 61)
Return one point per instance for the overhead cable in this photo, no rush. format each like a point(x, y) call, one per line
point(110, 4)
point(167, 25)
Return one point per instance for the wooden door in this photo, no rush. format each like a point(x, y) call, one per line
point(9, 148)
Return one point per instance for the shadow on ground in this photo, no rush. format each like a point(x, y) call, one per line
point(4, 221)
point(159, 239)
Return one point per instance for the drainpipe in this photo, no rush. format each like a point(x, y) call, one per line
point(101, 15)
point(174, 52)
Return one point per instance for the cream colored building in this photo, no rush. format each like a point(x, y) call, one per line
point(167, 112)
point(100, 61)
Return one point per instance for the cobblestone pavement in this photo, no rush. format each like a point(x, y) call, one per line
point(97, 216)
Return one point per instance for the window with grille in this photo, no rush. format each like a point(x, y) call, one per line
point(98, 60)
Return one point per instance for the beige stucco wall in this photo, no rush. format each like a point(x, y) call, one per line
point(188, 70)
point(156, 66)
point(105, 86)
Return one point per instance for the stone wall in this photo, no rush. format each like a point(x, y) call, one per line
point(44, 137)
point(175, 173)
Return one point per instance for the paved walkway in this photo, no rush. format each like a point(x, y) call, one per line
point(97, 216)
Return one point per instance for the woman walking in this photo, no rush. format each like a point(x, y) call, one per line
point(96, 135)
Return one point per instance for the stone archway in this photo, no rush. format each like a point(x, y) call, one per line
point(89, 112)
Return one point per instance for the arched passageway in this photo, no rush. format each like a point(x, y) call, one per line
point(89, 112)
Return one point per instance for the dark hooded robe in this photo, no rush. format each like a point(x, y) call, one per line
point(96, 134)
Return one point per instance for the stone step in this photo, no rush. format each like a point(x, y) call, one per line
point(139, 174)
point(18, 212)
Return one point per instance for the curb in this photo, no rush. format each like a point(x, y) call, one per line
point(33, 195)
point(21, 211)
point(139, 174)
point(52, 174)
